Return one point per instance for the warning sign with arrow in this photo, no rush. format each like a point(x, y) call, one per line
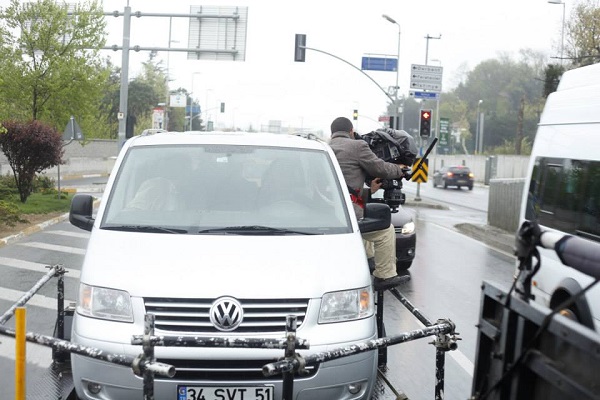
point(419, 171)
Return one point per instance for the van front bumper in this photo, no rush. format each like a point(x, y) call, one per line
point(351, 377)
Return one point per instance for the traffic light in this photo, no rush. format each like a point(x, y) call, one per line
point(425, 123)
point(355, 115)
point(300, 47)
point(222, 107)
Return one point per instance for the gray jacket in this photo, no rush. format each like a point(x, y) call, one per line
point(358, 161)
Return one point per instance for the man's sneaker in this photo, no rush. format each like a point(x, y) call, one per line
point(388, 283)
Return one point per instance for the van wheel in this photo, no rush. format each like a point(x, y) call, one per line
point(402, 266)
point(570, 314)
point(445, 185)
point(471, 187)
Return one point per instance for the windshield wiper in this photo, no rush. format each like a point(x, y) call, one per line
point(144, 228)
point(254, 230)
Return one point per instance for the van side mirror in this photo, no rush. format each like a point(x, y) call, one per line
point(378, 216)
point(80, 214)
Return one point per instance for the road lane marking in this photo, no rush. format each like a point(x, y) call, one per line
point(37, 300)
point(54, 247)
point(31, 266)
point(474, 240)
point(462, 360)
point(36, 354)
point(70, 234)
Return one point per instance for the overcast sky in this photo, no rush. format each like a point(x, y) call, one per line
point(269, 85)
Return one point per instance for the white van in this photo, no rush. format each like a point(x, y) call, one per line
point(563, 188)
point(224, 235)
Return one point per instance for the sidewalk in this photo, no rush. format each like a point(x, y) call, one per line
point(490, 235)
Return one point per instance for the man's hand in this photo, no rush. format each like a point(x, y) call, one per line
point(376, 185)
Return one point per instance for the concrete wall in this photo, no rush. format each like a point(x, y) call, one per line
point(504, 203)
point(94, 157)
point(506, 166)
point(97, 156)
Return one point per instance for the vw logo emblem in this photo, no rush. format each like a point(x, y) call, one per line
point(226, 314)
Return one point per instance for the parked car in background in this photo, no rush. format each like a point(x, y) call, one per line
point(456, 175)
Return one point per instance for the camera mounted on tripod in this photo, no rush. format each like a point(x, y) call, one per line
point(396, 147)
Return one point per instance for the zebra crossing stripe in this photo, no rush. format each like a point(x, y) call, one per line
point(54, 247)
point(37, 300)
point(80, 235)
point(31, 266)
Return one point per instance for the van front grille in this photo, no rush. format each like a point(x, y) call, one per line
point(191, 316)
point(226, 370)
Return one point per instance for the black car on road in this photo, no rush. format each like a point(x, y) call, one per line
point(457, 175)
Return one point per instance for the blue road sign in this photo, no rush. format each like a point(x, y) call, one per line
point(379, 64)
point(195, 109)
point(425, 95)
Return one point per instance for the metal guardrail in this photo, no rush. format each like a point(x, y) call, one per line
point(146, 366)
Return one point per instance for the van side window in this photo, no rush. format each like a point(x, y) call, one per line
point(564, 194)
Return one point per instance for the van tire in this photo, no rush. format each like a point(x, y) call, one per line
point(402, 266)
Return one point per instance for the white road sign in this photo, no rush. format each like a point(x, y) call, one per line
point(426, 77)
point(428, 69)
point(436, 87)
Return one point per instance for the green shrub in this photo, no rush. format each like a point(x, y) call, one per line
point(9, 214)
point(44, 184)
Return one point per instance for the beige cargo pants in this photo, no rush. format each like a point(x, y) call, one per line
point(381, 245)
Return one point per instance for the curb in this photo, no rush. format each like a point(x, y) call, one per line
point(492, 236)
point(33, 229)
point(38, 227)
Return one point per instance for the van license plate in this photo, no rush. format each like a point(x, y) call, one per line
point(222, 393)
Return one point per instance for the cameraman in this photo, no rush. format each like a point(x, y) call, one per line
point(357, 161)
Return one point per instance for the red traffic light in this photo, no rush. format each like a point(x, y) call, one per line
point(425, 123)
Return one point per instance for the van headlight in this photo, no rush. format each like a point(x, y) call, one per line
point(347, 305)
point(104, 303)
point(408, 228)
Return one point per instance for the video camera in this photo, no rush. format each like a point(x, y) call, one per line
point(396, 147)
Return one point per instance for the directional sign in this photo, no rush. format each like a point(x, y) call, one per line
point(437, 87)
point(444, 131)
point(379, 64)
point(426, 77)
point(421, 77)
point(428, 69)
point(424, 95)
point(420, 175)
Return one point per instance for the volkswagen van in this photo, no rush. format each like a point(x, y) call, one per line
point(225, 235)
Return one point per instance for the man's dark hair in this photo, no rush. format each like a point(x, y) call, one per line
point(341, 124)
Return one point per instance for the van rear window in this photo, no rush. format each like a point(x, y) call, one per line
point(564, 194)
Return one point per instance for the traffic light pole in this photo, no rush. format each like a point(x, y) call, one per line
point(350, 64)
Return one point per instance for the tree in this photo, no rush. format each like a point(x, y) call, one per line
point(50, 64)
point(583, 34)
point(501, 84)
point(30, 148)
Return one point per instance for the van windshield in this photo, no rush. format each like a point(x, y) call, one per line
point(207, 189)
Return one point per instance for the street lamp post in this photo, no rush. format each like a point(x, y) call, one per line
point(192, 100)
point(562, 31)
point(397, 88)
point(168, 92)
point(477, 138)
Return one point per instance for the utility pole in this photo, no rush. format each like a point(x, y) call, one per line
point(427, 45)
point(418, 195)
